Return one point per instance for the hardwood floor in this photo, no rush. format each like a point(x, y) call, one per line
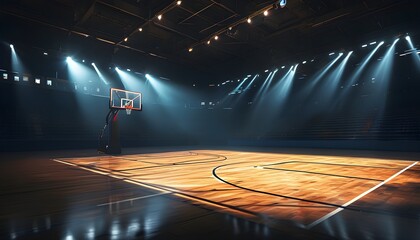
point(270, 187)
point(185, 193)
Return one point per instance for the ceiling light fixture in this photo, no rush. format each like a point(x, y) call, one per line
point(249, 20)
point(126, 39)
point(208, 42)
point(266, 13)
point(178, 3)
point(140, 29)
point(160, 17)
point(216, 37)
point(282, 3)
point(190, 49)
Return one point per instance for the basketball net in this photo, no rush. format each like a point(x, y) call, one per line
point(128, 109)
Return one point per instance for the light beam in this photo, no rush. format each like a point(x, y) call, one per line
point(416, 57)
point(101, 76)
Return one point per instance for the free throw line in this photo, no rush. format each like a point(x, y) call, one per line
point(357, 198)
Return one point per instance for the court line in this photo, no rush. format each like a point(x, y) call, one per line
point(110, 174)
point(85, 168)
point(133, 199)
point(325, 163)
point(175, 193)
point(264, 192)
point(215, 158)
point(325, 174)
point(313, 224)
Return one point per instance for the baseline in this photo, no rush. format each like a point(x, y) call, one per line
point(313, 224)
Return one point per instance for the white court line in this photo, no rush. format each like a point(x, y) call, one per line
point(133, 199)
point(115, 176)
point(357, 198)
point(112, 175)
point(84, 168)
point(162, 189)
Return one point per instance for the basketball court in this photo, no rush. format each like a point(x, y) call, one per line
point(188, 120)
point(307, 191)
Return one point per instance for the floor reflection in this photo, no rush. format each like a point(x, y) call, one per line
point(56, 201)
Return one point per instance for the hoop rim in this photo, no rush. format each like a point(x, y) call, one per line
point(128, 109)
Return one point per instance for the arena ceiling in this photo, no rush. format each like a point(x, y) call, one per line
point(185, 33)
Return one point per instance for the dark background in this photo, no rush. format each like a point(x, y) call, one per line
point(381, 115)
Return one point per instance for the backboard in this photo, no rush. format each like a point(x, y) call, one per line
point(121, 99)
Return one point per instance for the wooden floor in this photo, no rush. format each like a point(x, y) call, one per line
point(305, 190)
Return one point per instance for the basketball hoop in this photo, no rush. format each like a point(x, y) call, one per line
point(128, 109)
point(122, 99)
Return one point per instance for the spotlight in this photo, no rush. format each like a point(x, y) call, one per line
point(45, 53)
point(140, 29)
point(406, 38)
point(190, 49)
point(11, 46)
point(372, 43)
point(282, 3)
point(147, 75)
point(381, 43)
point(266, 70)
point(249, 20)
point(126, 39)
point(216, 37)
point(83, 60)
point(128, 70)
point(282, 67)
point(364, 45)
point(69, 59)
point(208, 42)
point(331, 54)
point(93, 64)
point(266, 13)
point(117, 69)
point(160, 17)
point(230, 28)
point(178, 3)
